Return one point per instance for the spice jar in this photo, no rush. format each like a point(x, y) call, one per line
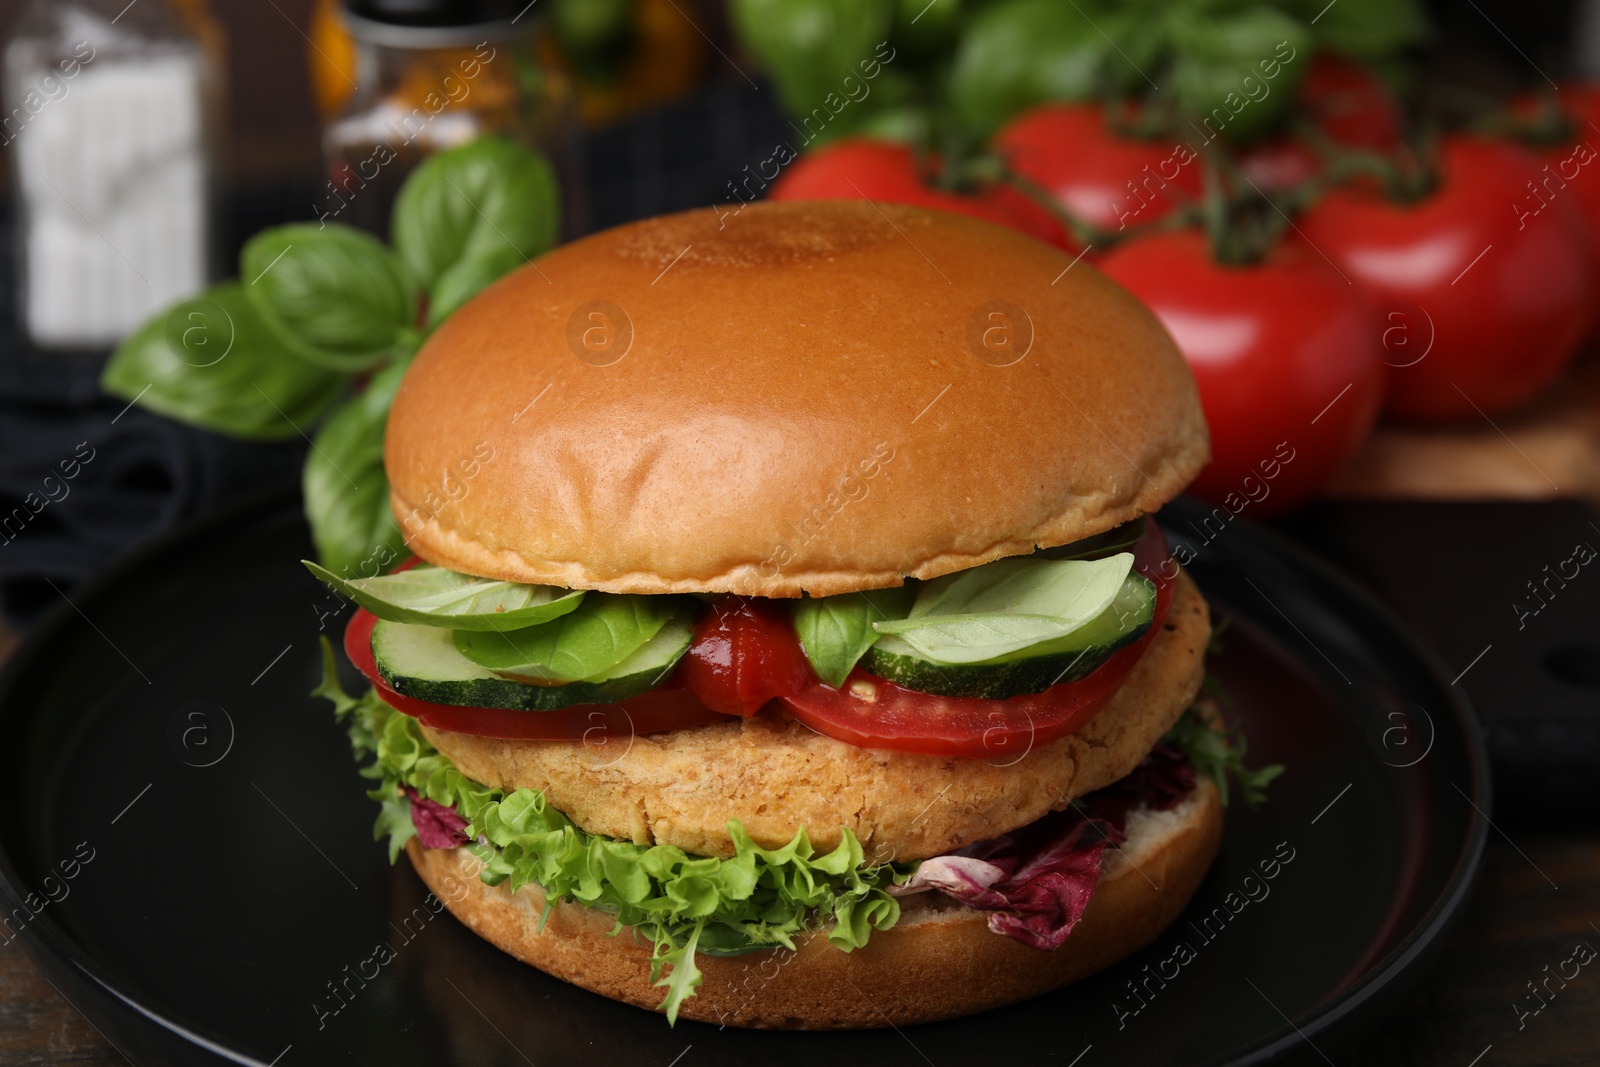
point(430, 75)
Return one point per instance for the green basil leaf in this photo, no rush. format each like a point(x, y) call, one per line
point(1018, 53)
point(336, 296)
point(810, 47)
point(467, 215)
point(927, 31)
point(1366, 29)
point(466, 280)
point(435, 596)
point(210, 361)
point(1006, 606)
point(1223, 59)
point(601, 632)
point(346, 490)
point(836, 631)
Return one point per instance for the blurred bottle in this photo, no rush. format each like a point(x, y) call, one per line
point(429, 75)
point(111, 118)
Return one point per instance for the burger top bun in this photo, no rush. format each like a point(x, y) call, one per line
point(790, 397)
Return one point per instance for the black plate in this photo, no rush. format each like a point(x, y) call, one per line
point(226, 894)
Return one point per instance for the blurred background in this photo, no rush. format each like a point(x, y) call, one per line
point(147, 142)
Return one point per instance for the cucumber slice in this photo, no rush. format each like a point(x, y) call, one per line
point(1029, 670)
point(422, 662)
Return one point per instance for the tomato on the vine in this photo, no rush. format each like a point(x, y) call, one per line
point(1504, 300)
point(1347, 103)
point(1570, 175)
point(1108, 181)
point(1286, 354)
point(1350, 104)
point(854, 168)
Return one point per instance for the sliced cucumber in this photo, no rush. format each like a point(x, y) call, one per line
point(422, 662)
point(1029, 670)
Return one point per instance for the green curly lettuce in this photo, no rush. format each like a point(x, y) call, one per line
point(757, 898)
point(1220, 754)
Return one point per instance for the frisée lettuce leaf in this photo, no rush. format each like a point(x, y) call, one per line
point(757, 898)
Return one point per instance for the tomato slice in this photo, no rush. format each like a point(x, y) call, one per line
point(744, 654)
point(649, 713)
point(871, 712)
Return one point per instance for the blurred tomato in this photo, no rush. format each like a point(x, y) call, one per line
point(1350, 106)
point(1280, 164)
point(851, 169)
point(1505, 298)
point(1571, 165)
point(1286, 354)
point(1109, 182)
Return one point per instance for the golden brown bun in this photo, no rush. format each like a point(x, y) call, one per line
point(805, 402)
point(775, 775)
point(939, 962)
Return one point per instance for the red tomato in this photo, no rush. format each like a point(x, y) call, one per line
point(1350, 104)
point(877, 170)
point(1504, 300)
point(1109, 182)
point(1280, 164)
point(649, 713)
point(873, 713)
point(1286, 354)
point(744, 654)
point(1570, 175)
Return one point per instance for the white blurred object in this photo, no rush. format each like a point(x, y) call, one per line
point(106, 120)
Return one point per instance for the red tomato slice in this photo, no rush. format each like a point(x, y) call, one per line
point(649, 713)
point(1007, 730)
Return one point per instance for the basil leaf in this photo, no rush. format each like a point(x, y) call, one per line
point(210, 361)
point(1006, 606)
point(334, 295)
point(1366, 29)
point(836, 631)
point(810, 47)
point(436, 596)
point(345, 488)
point(602, 631)
point(470, 214)
point(1018, 53)
point(1216, 52)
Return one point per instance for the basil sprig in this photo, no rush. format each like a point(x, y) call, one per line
point(436, 596)
point(209, 361)
point(334, 296)
point(467, 216)
point(1006, 606)
point(836, 631)
point(597, 634)
point(268, 357)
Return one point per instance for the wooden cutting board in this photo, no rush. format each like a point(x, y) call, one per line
point(1550, 449)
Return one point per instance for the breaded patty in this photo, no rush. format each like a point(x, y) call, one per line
point(775, 775)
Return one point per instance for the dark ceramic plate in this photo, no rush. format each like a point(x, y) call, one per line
point(186, 850)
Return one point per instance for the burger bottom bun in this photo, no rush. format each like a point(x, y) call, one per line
point(940, 961)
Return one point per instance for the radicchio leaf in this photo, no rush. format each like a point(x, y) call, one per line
point(1038, 880)
point(438, 826)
